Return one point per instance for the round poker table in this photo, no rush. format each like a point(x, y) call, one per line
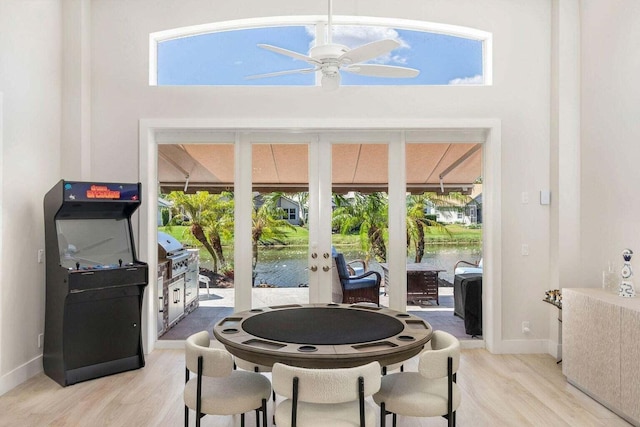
point(323, 335)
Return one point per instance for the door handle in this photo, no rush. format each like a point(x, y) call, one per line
point(314, 268)
point(326, 268)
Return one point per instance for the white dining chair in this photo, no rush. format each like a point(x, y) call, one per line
point(218, 389)
point(430, 392)
point(325, 397)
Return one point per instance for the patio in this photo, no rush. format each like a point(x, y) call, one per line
point(219, 304)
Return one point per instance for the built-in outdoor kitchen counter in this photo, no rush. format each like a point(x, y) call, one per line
point(177, 282)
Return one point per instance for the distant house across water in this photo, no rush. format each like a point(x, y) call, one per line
point(459, 212)
point(290, 208)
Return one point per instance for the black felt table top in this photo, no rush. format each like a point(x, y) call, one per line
point(323, 326)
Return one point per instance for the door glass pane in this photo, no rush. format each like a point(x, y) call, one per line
point(279, 224)
point(444, 198)
point(442, 221)
point(195, 225)
point(360, 217)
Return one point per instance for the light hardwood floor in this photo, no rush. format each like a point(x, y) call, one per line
point(498, 390)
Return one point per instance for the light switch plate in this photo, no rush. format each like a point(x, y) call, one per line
point(545, 197)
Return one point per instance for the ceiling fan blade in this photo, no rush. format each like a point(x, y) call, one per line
point(330, 83)
point(282, 73)
point(368, 51)
point(289, 53)
point(375, 70)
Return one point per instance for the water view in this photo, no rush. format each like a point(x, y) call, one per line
point(287, 266)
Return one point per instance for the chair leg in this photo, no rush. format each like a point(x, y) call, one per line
point(186, 408)
point(263, 409)
point(383, 415)
point(450, 413)
point(264, 412)
point(294, 403)
point(361, 400)
point(199, 414)
point(395, 420)
point(241, 420)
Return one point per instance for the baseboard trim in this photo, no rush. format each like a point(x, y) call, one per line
point(554, 349)
point(21, 374)
point(169, 344)
point(539, 346)
point(471, 344)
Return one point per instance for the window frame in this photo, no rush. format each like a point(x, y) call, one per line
point(320, 23)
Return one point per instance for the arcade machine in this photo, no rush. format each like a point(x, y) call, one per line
point(94, 282)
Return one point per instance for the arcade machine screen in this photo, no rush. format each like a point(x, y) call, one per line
point(94, 243)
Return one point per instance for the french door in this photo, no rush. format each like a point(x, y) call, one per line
point(309, 169)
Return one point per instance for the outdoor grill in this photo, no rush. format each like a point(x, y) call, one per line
point(171, 249)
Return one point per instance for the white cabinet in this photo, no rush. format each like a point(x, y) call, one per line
point(191, 286)
point(160, 306)
point(176, 299)
point(601, 348)
point(630, 363)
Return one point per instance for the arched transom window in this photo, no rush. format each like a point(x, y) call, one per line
point(227, 53)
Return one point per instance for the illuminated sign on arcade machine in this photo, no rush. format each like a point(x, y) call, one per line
point(94, 282)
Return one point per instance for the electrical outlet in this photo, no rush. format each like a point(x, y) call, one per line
point(525, 327)
point(524, 197)
point(40, 340)
point(40, 256)
point(525, 249)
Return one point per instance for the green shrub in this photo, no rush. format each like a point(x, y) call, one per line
point(165, 216)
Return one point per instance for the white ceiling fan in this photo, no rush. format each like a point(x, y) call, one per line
point(331, 58)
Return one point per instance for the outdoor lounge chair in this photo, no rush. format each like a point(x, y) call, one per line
point(468, 267)
point(364, 287)
point(355, 267)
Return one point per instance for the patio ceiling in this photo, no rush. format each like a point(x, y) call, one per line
point(355, 167)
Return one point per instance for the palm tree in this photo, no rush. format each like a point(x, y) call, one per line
point(418, 224)
point(207, 218)
point(367, 214)
point(268, 225)
point(220, 219)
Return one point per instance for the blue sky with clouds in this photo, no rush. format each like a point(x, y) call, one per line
point(228, 57)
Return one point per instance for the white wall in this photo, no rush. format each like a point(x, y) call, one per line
point(30, 80)
point(610, 210)
point(519, 97)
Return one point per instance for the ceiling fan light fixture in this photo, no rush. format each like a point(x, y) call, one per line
point(330, 82)
point(330, 70)
point(331, 58)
